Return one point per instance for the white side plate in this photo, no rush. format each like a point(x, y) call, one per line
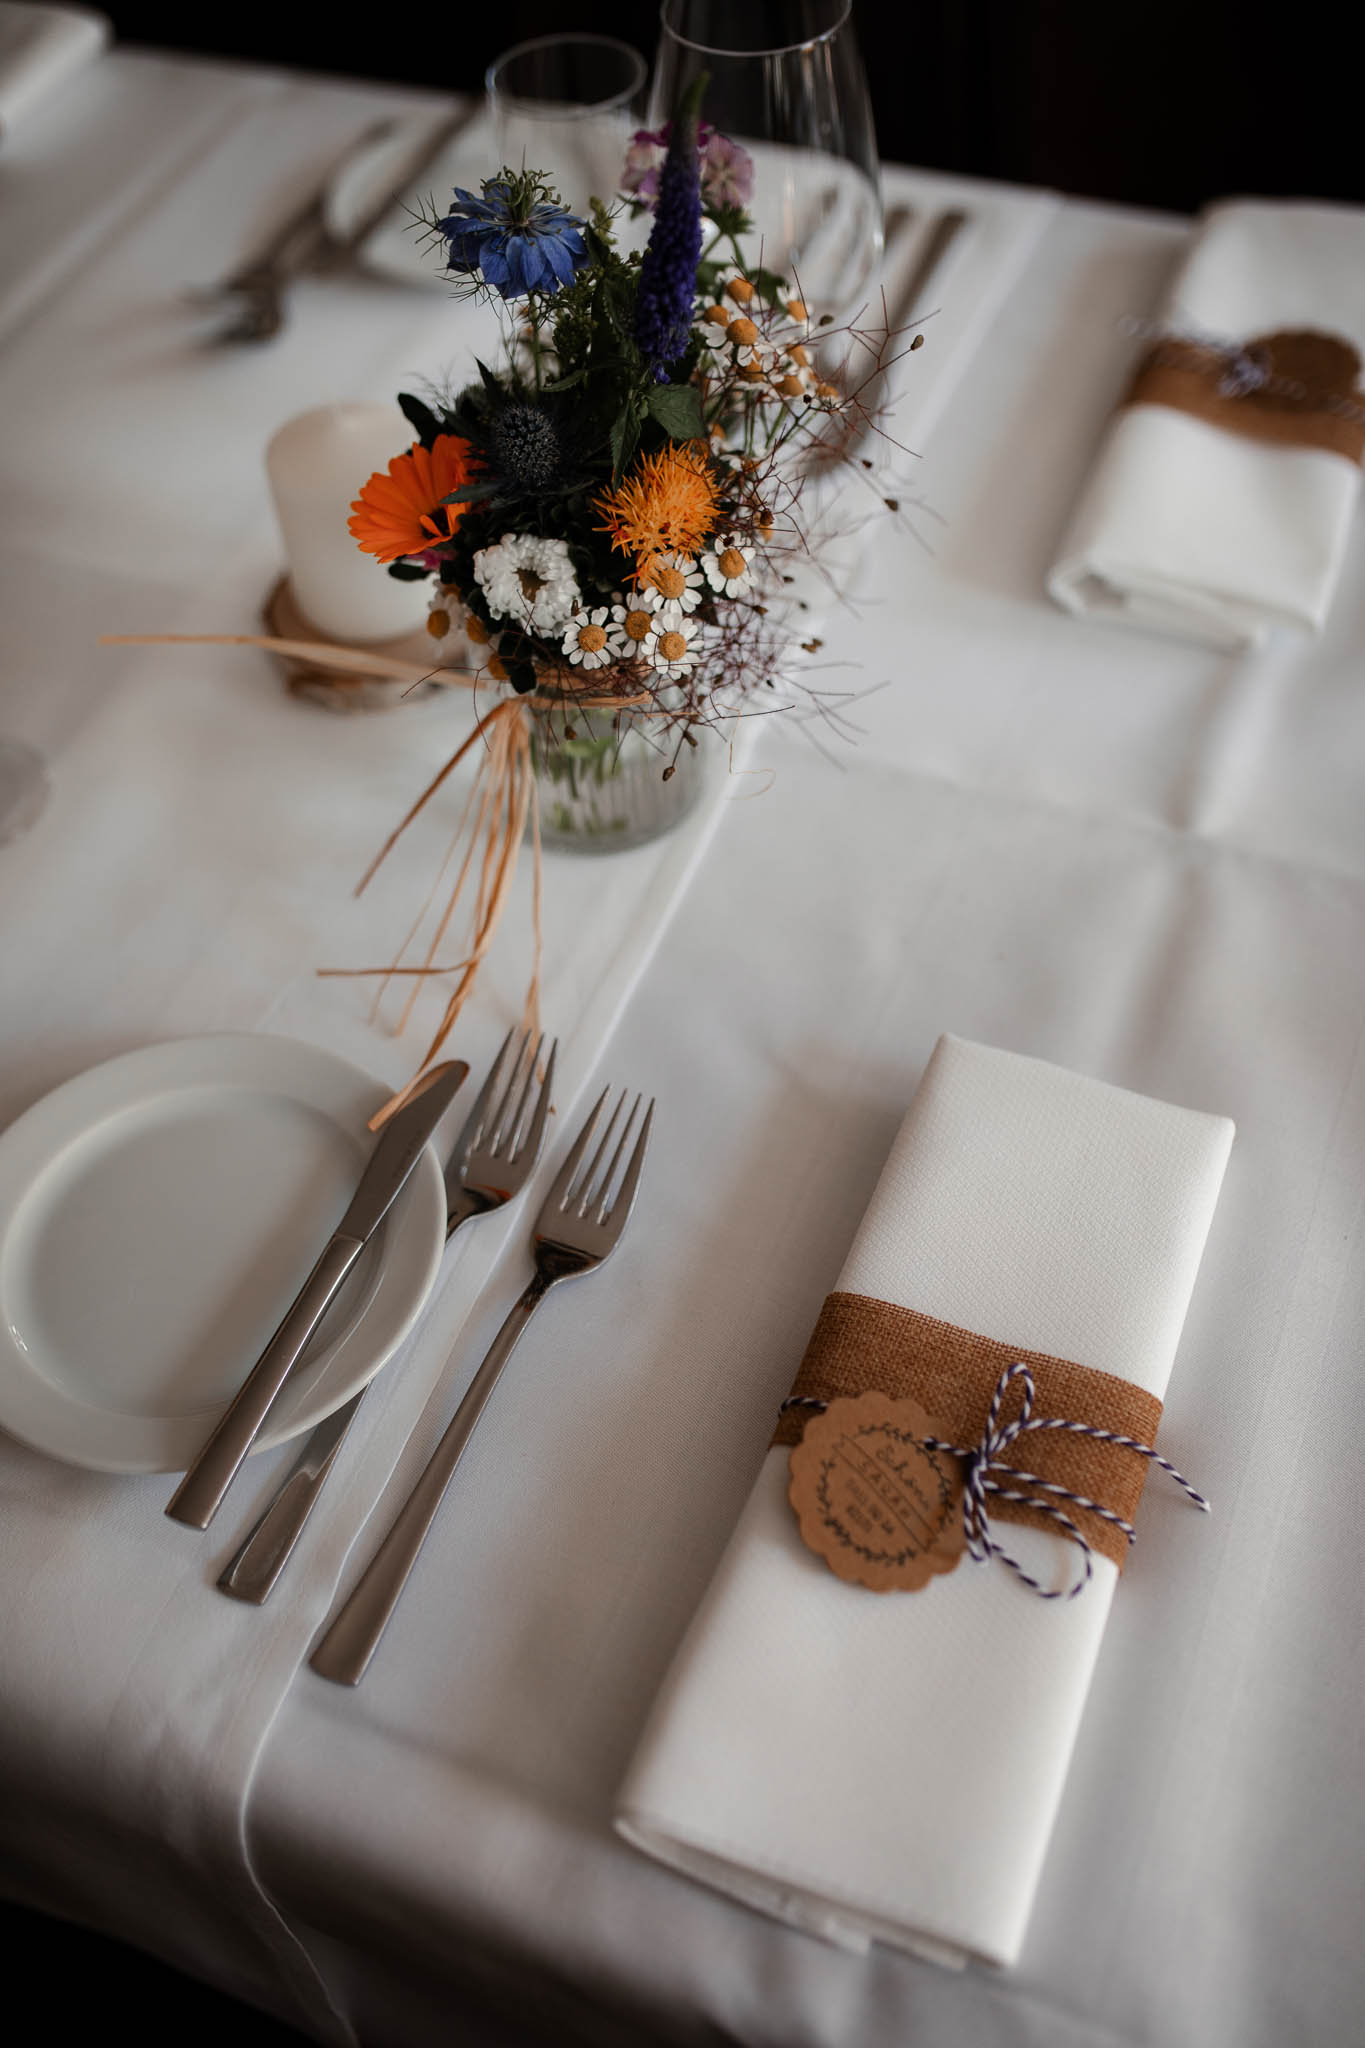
point(157, 1217)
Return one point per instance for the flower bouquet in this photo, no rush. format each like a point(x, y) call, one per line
point(608, 512)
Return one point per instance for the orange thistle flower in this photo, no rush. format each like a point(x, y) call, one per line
point(667, 505)
point(400, 512)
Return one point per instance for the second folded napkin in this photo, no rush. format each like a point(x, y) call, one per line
point(1221, 500)
point(887, 1766)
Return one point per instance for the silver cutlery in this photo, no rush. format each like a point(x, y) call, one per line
point(579, 1226)
point(259, 282)
point(929, 263)
point(200, 1493)
point(339, 249)
point(307, 241)
point(873, 383)
point(493, 1158)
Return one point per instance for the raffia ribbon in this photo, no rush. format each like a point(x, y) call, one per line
point(860, 1345)
point(491, 826)
point(1295, 388)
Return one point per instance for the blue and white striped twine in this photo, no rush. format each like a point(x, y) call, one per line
point(984, 1463)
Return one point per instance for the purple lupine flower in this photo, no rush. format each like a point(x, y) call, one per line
point(668, 269)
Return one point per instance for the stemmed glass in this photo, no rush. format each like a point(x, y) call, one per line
point(785, 78)
point(565, 105)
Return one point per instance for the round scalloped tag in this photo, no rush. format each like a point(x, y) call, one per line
point(881, 1510)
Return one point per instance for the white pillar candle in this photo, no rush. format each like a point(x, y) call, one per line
point(317, 464)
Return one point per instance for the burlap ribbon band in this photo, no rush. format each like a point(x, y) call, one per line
point(1299, 389)
point(860, 1345)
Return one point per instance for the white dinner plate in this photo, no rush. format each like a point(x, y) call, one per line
point(157, 1217)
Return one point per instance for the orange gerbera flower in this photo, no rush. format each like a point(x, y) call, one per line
point(667, 505)
point(399, 512)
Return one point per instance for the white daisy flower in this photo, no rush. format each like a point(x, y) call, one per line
point(632, 621)
point(714, 322)
point(441, 611)
point(796, 311)
point(672, 579)
point(587, 640)
point(669, 646)
point(727, 568)
point(790, 381)
point(530, 579)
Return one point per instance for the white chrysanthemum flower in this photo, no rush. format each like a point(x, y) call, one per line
point(529, 578)
point(671, 579)
point(587, 640)
point(727, 567)
point(669, 646)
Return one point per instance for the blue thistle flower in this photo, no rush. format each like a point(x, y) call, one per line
point(516, 236)
point(668, 268)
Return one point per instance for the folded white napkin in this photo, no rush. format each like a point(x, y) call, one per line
point(888, 1766)
point(1187, 528)
point(40, 47)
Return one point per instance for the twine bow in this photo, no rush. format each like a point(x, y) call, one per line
point(986, 1473)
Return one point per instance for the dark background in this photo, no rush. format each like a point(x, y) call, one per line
point(1164, 107)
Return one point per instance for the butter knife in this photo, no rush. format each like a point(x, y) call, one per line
point(200, 1493)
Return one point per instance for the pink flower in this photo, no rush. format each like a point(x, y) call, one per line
point(727, 172)
point(727, 169)
point(644, 160)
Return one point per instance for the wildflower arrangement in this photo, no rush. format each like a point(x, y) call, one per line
point(603, 512)
point(606, 514)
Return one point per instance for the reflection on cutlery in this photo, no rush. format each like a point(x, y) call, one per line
point(338, 248)
point(308, 241)
point(200, 1493)
point(931, 260)
point(874, 382)
point(579, 1226)
point(259, 282)
point(494, 1156)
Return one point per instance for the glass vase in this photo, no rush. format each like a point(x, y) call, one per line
point(610, 781)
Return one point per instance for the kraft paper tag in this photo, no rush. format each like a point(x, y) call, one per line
point(881, 1510)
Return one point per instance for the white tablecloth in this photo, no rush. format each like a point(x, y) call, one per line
point(1143, 861)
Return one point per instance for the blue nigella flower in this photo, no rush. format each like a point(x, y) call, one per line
point(515, 236)
point(668, 268)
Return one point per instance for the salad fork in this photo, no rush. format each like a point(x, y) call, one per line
point(493, 1158)
point(579, 1226)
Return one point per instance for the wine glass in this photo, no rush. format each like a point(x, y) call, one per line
point(566, 105)
point(786, 80)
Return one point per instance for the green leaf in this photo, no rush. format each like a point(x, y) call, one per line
point(565, 383)
point(490, 382)
point(468, 494)
point(677, 408)
point(625, 432)
point(419, 416)
point(407, 572)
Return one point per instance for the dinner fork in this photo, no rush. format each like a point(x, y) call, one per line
point(579, 1226)
point(492, 1160)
